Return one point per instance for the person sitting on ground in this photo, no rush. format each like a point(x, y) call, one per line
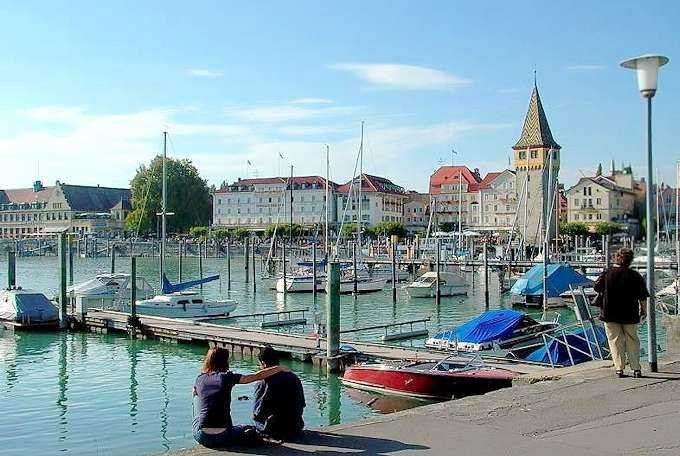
point(622, 295)
point(279, 400)
point(213, 427)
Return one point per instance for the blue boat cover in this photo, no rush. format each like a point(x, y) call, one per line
point(489, 326)
point(558, 351)
point(560, 276)
point(174, 288)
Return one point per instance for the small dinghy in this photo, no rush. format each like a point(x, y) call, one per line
point(430, 380)
point(21, 308)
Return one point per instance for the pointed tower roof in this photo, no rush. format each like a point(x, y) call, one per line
point(536, 131)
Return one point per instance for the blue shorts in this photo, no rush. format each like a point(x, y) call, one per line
point(230, 437)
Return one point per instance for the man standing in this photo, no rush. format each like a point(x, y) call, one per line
point(279, 401)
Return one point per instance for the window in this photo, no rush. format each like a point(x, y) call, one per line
point(522, 155)
point(534, 154)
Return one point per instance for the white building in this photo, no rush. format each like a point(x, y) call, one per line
point(260, 202)
point(382, 201)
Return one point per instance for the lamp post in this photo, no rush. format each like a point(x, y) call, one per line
point(647, 69)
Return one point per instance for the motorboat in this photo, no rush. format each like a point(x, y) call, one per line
point(300, 283)
point(364, 284)
point(380, 271)
point(106, 290)
point(429, 380)
point(561, 277)
point(21, 308)
point(494, 329)
point(425, 286)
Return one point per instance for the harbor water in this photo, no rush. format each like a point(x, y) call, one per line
point(78, 393)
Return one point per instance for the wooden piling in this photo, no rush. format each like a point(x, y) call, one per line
point(253, 258)
point(314, 269)
point(133, 287)
point(228, 264)
point(394, 272)
point(11, 269)
point(283, 258)
point(486, 278)
point(438, 290)
point(354, 267)
point(200, 263)
point(69, 247)
point(180, 260)
point(332, 314)
point(246, 259)
point(112, 251)
point(63, 317)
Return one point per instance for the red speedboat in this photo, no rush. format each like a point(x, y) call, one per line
point(445, 379)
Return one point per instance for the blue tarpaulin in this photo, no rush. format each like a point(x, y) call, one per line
point(558, 351)
point(176, 287)
point(560, 276)
point(489, 326)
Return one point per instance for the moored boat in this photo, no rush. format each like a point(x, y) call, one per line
point(450, 284)
point(22, 308)
point(441, 380)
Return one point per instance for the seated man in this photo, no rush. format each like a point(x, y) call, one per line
point(279, 401)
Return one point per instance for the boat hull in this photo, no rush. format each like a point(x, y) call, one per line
point(430, 292)
point(422, 383)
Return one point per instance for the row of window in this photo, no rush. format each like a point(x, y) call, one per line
point(588, 217)
point(277, 199)
point(34, 217)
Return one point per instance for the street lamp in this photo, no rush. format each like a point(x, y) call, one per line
point(647, 69)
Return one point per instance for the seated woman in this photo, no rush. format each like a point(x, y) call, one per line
point(213, 427)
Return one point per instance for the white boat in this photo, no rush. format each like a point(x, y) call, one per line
point(364, 285)
point(301, 284)
point(184, 304)
point(106, 290)
point(385, 271)
point(425, 286)
point(26, 308)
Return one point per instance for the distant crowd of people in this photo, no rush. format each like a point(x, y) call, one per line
point(278, 402)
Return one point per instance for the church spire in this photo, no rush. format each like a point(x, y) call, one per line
point(536, 131)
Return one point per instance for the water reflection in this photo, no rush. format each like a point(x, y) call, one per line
point(133, 354)
point(62, 399)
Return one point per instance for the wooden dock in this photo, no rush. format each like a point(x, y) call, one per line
point(249, 341)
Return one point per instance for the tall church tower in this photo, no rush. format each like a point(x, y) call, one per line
point(532, 154)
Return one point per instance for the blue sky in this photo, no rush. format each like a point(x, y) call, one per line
point(89, 86)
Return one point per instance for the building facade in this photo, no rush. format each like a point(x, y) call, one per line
point(44, 211)
point(261, 202)
point(600, 199)
point(381, 201)
point(417, 211)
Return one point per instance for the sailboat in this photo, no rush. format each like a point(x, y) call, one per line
point(178, 300)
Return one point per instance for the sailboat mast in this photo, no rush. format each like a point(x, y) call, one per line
point(328, 202)
point(361, 179)
point(164, 202)
point(526, 205)
point(460, 209)
point(290, 224)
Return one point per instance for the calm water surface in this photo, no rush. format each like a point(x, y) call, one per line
point(78, 393)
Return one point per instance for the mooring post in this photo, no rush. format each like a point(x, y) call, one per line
point(112, 250)
point(472, 263)
point(62, 281)
point(180, 260)
point(133, 288)
point(200, 263)
point(332, 315)
point(11, 269)
point(283, 258)
point(253, 258)
point(607, 256)
point(394, 272)
point(228, 264)
point(85, 245)
point(314, 269)
point(354, 267)
point(438, 290)
point(246, 259)
point(486, 277)
point(69, 247)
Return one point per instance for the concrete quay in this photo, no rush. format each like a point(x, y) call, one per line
point(581, 411)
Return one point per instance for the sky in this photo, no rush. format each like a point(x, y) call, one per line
point(88, 87)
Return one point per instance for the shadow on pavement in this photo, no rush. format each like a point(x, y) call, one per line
point(328, 444)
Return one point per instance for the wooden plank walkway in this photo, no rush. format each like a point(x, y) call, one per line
point(307, 346)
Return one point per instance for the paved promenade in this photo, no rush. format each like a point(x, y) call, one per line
point(585, 412)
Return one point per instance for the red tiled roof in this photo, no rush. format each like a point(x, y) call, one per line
point(486, 182)
point(450, 174)
point(26, 195)
point(371, 183)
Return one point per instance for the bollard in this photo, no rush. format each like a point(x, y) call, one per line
point(246, 259)
point(253, 258)
point(113, 258)
point(283, 258)
point(486, 278)
point(228, 264)
point(394, 272)
point(11, 269)
point(180, 260)
point(354, 267)
point(332, 313)
point(62, 281)
point(314, 269)
point(438, 290)
point(200, 263)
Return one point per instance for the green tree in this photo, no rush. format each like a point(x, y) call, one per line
point(390, 229)
point(241, 233)
point(199, 231)
point(188, 196)
point(448, 227)
point(603, 228)
point(222, 233)
point(349, 229)
point(573, 228)
point(132, 222)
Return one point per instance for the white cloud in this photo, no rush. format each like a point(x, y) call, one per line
point(204, 73)
point(585, 67)
point(303, 130)
point(403, 76)
point(283, 113)
point(311, 101)
point(65, 114)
